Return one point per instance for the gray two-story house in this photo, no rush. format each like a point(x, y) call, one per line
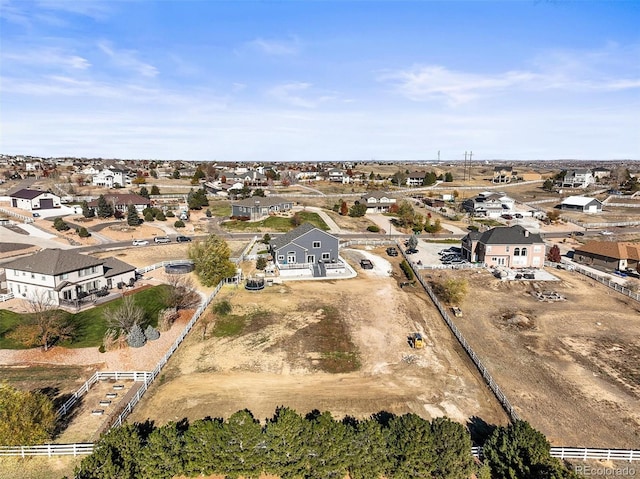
point(258, 207)
point(306, 251)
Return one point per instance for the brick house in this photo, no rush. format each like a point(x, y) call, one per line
point(512, 247)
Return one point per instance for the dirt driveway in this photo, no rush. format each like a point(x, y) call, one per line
point(570, 368)
point(292, 334)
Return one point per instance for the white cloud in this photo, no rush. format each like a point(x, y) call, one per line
point(603, 70)
point(293, 94)
point(127, 59)
point(276, 47)
point(47, 57)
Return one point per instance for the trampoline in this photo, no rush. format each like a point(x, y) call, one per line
point(179, 268)
point(254, 284)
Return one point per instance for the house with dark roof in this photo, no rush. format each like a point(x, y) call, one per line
point(489, 204)
point(512, 247)
point(377, 202)
point(609, 255)
point(580, 178)
point(121, 201)
point(306, 251)
point(258, 207)
point(64, 277)
point(33, 200)
point(416, 178)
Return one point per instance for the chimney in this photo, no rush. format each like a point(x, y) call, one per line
point(526, 233)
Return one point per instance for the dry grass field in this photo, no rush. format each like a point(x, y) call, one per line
point(571, 368)
point(332, 345)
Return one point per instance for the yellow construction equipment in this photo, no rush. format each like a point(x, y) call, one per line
point(417, 341)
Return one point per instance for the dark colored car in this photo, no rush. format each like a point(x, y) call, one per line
point(411, 251)
point(366, 264)
point(183, 239)
point(391, 251)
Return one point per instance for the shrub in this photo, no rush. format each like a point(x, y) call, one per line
point(83, 233)
point(222, 308)
point(151, 333)
point(373, 228)
point(451, 291)
point(261, 263)
point(178, 224)
point(161, 217)
point(406, 269)
point(170, 214)
point(166, 318)
point(136, 338)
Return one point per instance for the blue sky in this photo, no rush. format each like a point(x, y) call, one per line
point(320, 80)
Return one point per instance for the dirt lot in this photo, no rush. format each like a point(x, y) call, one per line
point(294, 333)
point(571, 368)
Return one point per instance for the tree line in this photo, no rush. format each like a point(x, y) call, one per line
point(290, 446)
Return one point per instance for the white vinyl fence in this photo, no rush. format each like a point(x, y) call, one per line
point(583, 453)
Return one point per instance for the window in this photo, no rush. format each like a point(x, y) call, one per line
point(524, 252)
point(537, 248)
point(516, 252)
point(64, 276)
point(316, 244)
point(507, 249)
point(488, 249)
point(280, 257)
point(326, 256)
point(33, 276)
point(43, 277)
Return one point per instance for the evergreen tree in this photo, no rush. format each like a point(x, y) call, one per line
point(132, 216)
point(328, 442)
point(148, 217)
point(199, 456)
point(357, 210)
point(136, 338)
point(116, 455)
point(518, 451)
point(242, 451)
point(448, 177)
point(105, 209)
point(548, 185)
point(155, 190)
point(160, 216)
point(144, 192)
point(162, 455)
point(285, 438)
point(86, 211)
point(83, 233)
point(176, 174)
point(452, 447)
point(367, 456)
point(410, 446)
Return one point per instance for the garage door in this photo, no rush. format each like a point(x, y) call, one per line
point(46, 204)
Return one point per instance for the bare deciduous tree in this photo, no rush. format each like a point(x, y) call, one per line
point(50, 322)
point(123, 317)
point(181, 293)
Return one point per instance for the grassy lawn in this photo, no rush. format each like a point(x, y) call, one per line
point(219, 208)
point(90, 325)
point(275, 223)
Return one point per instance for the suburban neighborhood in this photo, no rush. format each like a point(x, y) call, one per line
point(290, 243)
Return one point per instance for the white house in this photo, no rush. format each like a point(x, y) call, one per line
point(58, 276)
point(32, 200)
point(109, 178)
point(582, 203)
point(489, 204)
point(580, 178)
point(377, 202)
point(416, 178)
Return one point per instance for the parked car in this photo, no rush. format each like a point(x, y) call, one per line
point(36, 215)
point(518, 215)
point(507, 217)
point(606, 233)
point(183, 239)
point(140, 242)
point(162, 239)
point(366, 264)
point(391, 251)
point(411, 251)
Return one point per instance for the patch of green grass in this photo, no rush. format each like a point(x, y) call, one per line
point(443, 241)
point(276, 223)
point(219, 208)
point(226, 326)
point(89, 325)
point(8, 321)
point(488, 222)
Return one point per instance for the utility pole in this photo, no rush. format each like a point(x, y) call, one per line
point(438, 156)
point(464, 168)
point(470, 156)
